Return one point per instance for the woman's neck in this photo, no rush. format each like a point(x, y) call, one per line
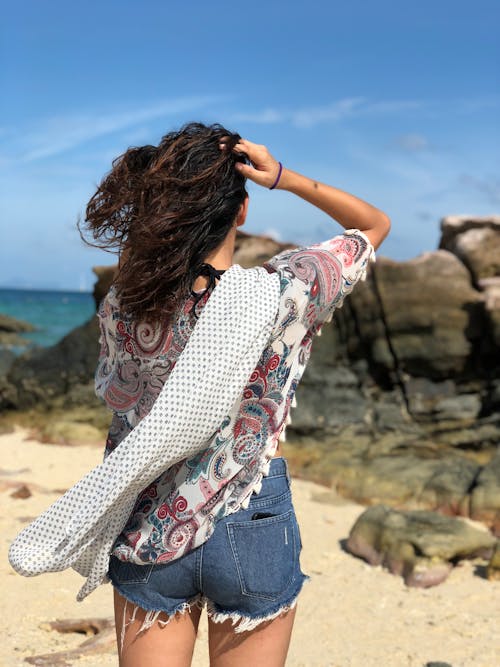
point(221, 259)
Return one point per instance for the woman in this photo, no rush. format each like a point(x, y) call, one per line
point(173, 212)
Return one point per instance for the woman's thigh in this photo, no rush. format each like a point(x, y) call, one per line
point(266, 645)
point(162, 645)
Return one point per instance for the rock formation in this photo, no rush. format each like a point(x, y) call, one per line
point(10, 328)
point(421, 546)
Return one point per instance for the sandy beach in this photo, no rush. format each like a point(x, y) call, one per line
point(349, 614)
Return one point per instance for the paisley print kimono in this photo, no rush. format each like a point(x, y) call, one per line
point(165, 523)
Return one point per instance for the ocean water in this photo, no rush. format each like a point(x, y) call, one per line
point(53, 313)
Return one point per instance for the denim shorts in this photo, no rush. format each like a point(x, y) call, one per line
point(247, 571)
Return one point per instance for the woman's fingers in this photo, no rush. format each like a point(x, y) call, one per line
point(246, 170)
point(252, 150)
point(263, 166)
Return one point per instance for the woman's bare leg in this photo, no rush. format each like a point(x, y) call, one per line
point(170, 645)
point(265, 646)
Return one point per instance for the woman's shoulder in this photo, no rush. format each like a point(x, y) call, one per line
point(316, 278)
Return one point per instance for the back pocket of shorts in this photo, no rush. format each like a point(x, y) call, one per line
point(265, 554)
point(125, 572)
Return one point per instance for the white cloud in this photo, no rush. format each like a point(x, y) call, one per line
point(412, 143)
point(391, 106)
point(307, 117)
point(267, 116)
point(311, 116)
point(63, 133)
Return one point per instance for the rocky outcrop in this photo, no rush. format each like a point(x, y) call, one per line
point(10, 328)
point(476, 241)
point(105, 275)
point(400, 402)
point(485, 494)
point(420, 546)
point(421, 318)
point(493, 569)
point(10, 324)
point(38, 376)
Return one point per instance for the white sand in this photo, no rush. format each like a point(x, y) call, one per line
point(349, 614)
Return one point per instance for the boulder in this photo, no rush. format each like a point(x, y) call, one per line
point(491, 292)
point(10, 324)
point(493, 569)
point(420, 317)
point(105, 275)
point(475, 241)
point(10, 328)
point(39, 375)
point(412, 478)
point(420, 546)
point(485, 496)
point(253, 250)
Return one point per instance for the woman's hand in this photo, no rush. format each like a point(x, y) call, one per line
point(264, 169)
point(350, 211)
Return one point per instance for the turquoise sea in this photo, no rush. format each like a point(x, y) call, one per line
point(53, 313)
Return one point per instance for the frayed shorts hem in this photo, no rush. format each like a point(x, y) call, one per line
point(152, 614)
point(243, 622)
point(247, 622)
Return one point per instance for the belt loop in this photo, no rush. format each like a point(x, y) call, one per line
point(287, 471)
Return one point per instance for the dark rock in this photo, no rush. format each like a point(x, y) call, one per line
point(22, 492)
point(493, 569)
point(10, 324)
point(8, 341)
point(105, 275)
point(251, 250)
point(409, 479)
point(447, 489)
point(476, 241)
point(419, 317)
point(6, 359)
point(485, 496)
point(491, 291)
point(10, 330)
point(39, 375)
point(440, 400)
point(421, 546)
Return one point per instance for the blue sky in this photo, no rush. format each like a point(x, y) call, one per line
point(395, 102)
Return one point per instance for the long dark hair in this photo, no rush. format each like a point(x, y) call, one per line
point(169, 206)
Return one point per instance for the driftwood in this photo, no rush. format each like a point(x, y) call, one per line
point(101, 638)
point(6, 484)
point(22, 491)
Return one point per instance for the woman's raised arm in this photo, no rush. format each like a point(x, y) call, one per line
point(350, 211)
